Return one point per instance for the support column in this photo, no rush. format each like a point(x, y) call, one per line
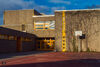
point(19, 44)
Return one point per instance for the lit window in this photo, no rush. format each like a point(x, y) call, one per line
point(26, 39)
point(44, 25)
point(11, 38)
point(7, 37)
point(3, 37)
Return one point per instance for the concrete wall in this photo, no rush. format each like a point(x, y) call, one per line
point(58, 34)
point(44, 18)
point(19, 16)
point(14, 26)
point(29, 28)
point(88, 21)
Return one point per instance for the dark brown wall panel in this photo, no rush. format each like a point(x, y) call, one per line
point(7, 46)
point(28, 46)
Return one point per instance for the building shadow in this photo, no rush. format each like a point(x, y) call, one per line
point(66, 63)
point(20, 54)
point(8, 47)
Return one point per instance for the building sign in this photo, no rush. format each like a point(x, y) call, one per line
point(78, 33)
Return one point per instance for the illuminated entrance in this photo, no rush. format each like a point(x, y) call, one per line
point(45, 44)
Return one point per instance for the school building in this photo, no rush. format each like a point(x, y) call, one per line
point(66, 30)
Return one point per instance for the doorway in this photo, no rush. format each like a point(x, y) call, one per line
point(45, 44)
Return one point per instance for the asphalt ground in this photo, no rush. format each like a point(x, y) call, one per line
point(54, 59)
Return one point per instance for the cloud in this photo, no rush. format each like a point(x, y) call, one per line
point(60, 1)
point(9, 4)
point(57, 8)
point(13, 5)
point(19, 4)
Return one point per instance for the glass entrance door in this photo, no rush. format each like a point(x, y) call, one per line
point(45, 44)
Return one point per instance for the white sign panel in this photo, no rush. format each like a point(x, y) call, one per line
point(78, 33)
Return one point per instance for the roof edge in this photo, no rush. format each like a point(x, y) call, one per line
point(43, 16)
point(76, 10)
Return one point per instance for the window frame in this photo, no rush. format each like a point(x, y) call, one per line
point(44, 25)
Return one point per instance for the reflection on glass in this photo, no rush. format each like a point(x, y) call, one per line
point(45, 25)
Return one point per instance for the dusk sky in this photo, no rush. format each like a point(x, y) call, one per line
point(46, 6)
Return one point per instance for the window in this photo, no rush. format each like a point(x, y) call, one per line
point(23, 27)
point(52, 25)
point(26, 39)
point(45, 43)
point(12, 38)
point(3, 36)
point(44, 25)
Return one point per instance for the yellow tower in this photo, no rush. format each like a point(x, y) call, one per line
point(63, 32)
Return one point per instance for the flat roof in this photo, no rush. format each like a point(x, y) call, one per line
point(43, 16)
point(19, 10)
point(76, 10)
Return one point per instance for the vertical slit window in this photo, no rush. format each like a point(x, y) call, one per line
point(23, 27)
